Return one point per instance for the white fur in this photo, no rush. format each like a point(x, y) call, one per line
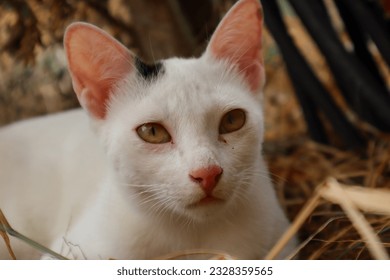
point(109, 194)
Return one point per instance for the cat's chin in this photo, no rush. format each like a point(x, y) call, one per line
point(205, 210)
point(206, 202)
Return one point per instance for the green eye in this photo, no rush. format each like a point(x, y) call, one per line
point(153, 133)
point(232, 121)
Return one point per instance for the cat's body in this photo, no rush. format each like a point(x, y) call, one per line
point(35, 168)
point(173, 160)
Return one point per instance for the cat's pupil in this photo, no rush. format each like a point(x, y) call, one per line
point(230, 118)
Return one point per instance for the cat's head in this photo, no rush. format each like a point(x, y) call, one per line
point(183, 135)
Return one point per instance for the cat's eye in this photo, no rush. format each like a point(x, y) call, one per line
point(232, 121)
point(153, 133)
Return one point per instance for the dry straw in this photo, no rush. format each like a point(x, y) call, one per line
point(350, 199)
point(5, 229)
point(336, 218)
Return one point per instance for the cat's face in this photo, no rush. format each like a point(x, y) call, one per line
point(184, 136)
point(198, 114)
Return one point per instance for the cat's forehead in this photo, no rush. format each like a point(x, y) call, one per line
point(197, 82)
point(183, 92)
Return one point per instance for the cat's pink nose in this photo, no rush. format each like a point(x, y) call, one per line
point(207, 177)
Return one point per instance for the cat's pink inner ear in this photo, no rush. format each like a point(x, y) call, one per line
point(237, 39)
point(96, 62)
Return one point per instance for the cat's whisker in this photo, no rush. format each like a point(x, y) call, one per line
point(150, 199)
point(166, 206)
point(143, 185)
point(151, 48)
point(163, 206)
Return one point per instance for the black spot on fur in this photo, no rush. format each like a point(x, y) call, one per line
point(148, 71)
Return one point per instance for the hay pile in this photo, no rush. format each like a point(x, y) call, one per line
point(300, 173)
point(300, 167)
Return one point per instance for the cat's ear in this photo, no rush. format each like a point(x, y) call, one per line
point(96, 62)
point(237, 40)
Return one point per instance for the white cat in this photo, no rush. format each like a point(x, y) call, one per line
point(173, 161)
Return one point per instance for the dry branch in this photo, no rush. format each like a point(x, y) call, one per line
point(3, 232)
point(350, 199)
point(5, 228)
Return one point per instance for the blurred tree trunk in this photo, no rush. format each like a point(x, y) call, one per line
point(158, 33)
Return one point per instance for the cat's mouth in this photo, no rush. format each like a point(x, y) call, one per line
point(205, 201)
